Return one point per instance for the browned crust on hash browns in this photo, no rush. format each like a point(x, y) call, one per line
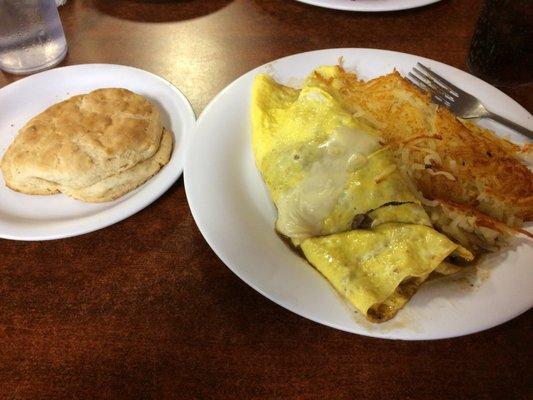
point(478, 169)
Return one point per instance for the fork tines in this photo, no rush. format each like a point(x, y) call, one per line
point(442, 91)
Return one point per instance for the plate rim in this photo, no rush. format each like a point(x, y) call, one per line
point(131, 205)
point(224, 258)
point(356, 8)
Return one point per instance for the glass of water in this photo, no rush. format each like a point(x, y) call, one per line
point(31, 36)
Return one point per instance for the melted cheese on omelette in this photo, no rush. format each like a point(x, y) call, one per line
point(328, 174)
point(323, 167)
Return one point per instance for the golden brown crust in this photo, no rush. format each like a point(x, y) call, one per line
point(123, 182)
point(485, 170)
point(82, 140)
point(46, 190)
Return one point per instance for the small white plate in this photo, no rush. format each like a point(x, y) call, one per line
point(26, 217)
point(234, 212)
point(369, 5)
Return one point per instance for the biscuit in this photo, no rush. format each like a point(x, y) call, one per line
point(117, 185)
point(81, 141)
point(94, 147)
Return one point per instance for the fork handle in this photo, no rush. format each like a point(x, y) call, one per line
point(510, 124)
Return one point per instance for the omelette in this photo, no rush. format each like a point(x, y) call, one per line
point(368, 267)
point(325, 170)
point(341, 199)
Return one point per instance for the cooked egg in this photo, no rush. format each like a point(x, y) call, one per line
point(329, 175)
point(322, 166)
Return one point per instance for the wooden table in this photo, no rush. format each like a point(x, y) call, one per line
point(144, 308)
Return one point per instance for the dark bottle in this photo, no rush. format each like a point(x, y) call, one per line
point(501, 51)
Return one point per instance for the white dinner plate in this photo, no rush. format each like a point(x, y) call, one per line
point(233, 210)
point(369, 5)
point(26, 217)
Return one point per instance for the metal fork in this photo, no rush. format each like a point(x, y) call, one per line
point(456, 100)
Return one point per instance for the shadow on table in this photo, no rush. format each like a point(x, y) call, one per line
point(159, 10)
